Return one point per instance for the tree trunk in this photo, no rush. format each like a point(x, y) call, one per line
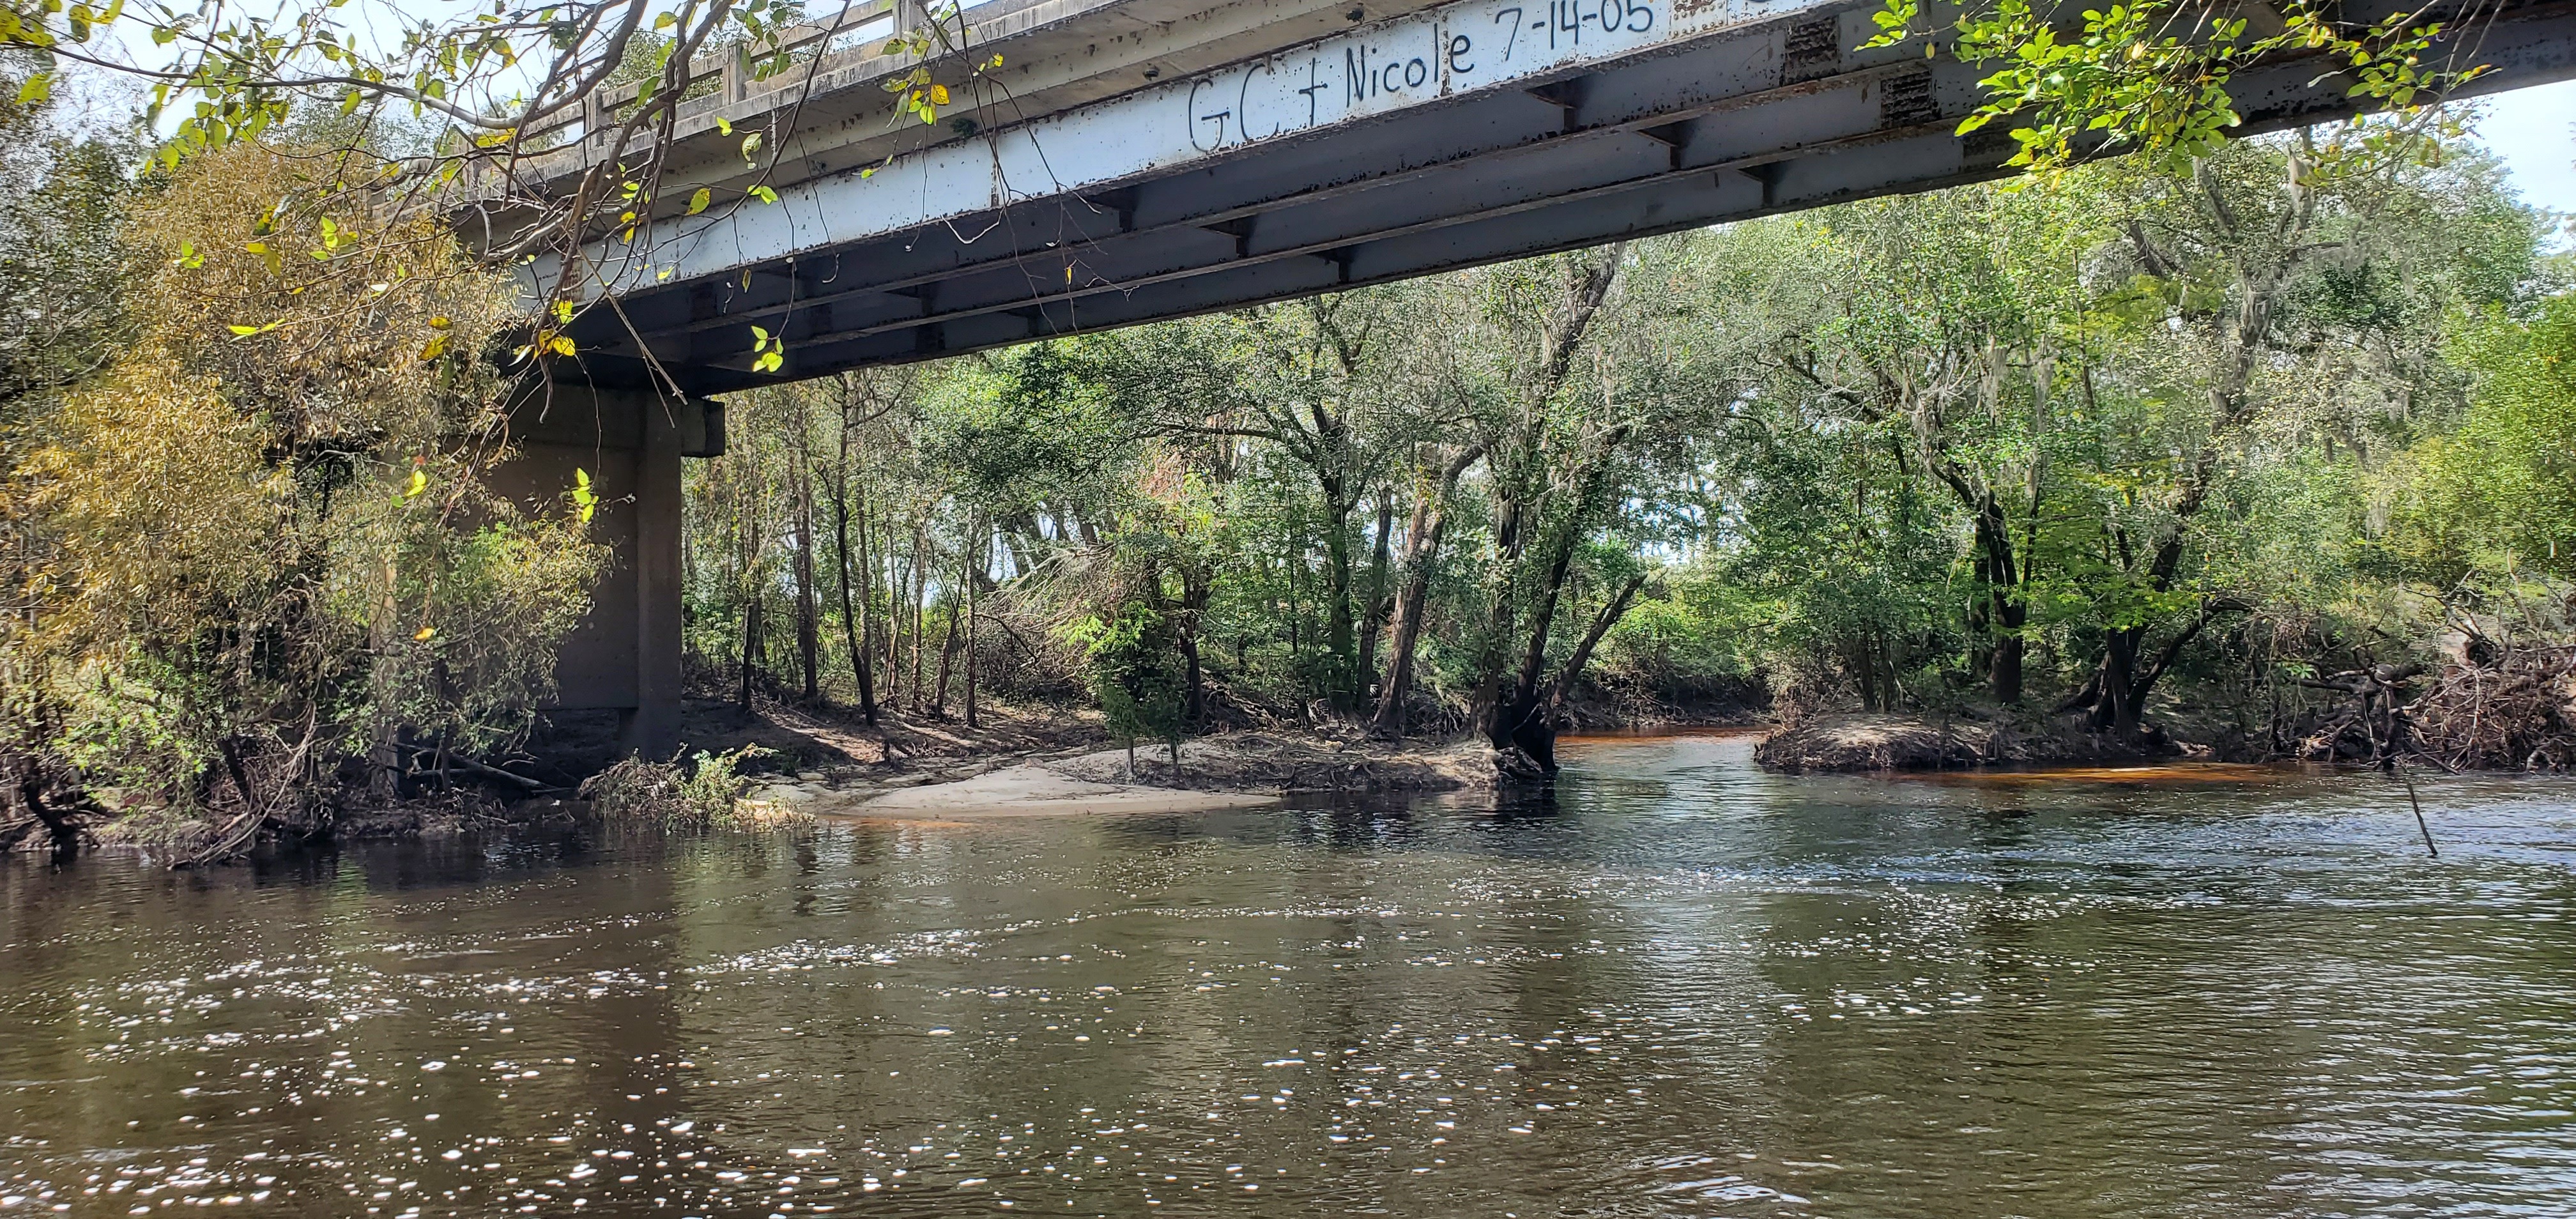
point(1981, 626)
point(2004, 610)
point(1523, 719)
point(894, 614)
point(1292, 565)
point(2010, 647)
point(1536, 733)
point(1860, 660)
point(1609, 616)
point(809, 642)
point(1413, 594)
point(1520, 455)
point(982, 552)
point(2118, 710)
point(1501, 606)
point(1373, 621)
point(1196, 589)
point(920, 591)
point(1339, 639)
point(750, 645)
point(854, 625)
point(2126, 677)
point(947, 653)
point(1412, 597)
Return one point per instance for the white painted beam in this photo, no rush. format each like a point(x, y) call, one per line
point(1373, 74)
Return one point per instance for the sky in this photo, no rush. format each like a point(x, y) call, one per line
point(2534, 130)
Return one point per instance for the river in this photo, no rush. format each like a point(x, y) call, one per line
point(1678, 986)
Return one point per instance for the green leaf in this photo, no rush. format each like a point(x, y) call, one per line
point(698, 202)
point(764, 194)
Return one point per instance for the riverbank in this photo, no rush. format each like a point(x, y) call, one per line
point(797, 763)
point(1882, 741)
point(1227, 770)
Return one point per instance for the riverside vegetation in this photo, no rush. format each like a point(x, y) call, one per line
point(2257, 447)
point(2265, 453)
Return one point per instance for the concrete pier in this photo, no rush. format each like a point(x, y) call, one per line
point(625, 656)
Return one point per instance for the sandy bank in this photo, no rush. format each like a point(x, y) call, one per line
point(1030, 790)
point(1232, 770)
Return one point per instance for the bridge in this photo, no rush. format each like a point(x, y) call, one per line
point(1135, 160)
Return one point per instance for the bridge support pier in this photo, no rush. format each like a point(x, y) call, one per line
point(625, 656)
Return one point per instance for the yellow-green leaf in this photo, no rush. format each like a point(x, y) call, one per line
point(698, 202)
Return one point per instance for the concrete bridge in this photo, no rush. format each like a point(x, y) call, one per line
point(1133, 160)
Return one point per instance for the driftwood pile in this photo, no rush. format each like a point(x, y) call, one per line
point(2489, 706)
point(2517, 713)
point(1821, 743)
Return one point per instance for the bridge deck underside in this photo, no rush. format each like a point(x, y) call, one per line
point(1750, 122)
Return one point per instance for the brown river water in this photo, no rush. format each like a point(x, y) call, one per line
point(1676, 986)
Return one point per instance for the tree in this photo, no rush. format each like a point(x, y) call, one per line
point(254, 551)
point(2150, 78)
point(1550, 456)
point(471, 113)
point(2500, 492)
point(2252, 261)
point(1336, 387)
point(2132, 454)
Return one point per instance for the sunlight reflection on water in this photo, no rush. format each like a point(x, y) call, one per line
point(1673, 986)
